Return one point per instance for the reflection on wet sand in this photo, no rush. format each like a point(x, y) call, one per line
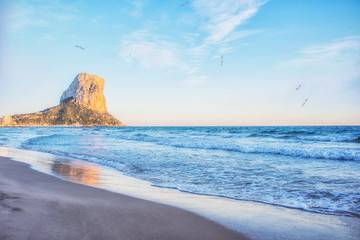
point(76, 173)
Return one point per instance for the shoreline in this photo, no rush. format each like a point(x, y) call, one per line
point(34, 205)
point(256, 220)
point(63, 125)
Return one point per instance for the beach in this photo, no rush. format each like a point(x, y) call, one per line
point(221, 119)
point(35, 205)
point(43, 196)
point(261, 182)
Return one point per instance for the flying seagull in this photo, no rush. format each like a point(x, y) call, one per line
point(184, 4)
point(132, 58)
point(304, 102)
point(222, 60)
point(80, 47)
point(298, 87)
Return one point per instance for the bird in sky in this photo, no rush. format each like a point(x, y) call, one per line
point(298, 87)
point(184, 4)
point(222, 60)
point(80, 47)
point(132, 58)
point(304, 102)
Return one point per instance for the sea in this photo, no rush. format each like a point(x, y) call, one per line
point(314, 169)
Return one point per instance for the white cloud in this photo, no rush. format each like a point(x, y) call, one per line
point(191, 38)
point(39, 14)
point(24, 16)
point(329, 73)
point(154, 52)
point(138, 7)
point(159, 52)
point(224, 48)
point(150, 55)
point(323, 53)
point(220, 20)
point(242, 34)
point(216, 29)
point(221, 30)
point(224, 16)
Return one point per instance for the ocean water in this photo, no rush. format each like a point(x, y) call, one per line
point(310, 168)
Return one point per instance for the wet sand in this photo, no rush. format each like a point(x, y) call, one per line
point(34, 205)
point(256, 220)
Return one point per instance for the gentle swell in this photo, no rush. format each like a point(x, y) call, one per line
point(41, 139)
point(163, 156)
point(285, 149)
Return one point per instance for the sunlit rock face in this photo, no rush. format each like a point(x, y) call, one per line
point(82, 104)
point(87, 90)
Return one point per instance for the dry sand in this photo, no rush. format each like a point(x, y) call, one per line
point(34, 205)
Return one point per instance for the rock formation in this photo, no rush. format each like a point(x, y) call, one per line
point(82, 104)
point(87, 90)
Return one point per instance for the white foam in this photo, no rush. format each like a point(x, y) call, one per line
point(258, 221)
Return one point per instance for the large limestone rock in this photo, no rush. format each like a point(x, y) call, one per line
point(69, 113)
point(87, 90)
point(82, 104)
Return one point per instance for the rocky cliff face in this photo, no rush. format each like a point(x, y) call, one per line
point(82, 104)
point(87, 90)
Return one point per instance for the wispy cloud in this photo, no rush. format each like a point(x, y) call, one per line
point(242, 34)
point(24, 16)
point(185, 50)
point(323, 53)
point(39, 14)
point(153, 52)
point(150, 55)
point(220, 23)
point(224, 16)
point(329, 71)
point(226, 46)
point(138, 6)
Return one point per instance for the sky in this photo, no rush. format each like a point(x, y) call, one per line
point(188, 63)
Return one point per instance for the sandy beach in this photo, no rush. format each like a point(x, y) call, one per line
point(44, 196)
point(35, 205)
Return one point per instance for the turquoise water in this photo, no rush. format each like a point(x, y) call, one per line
point(311, 168)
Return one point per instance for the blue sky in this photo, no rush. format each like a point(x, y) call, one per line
point(162, 61)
